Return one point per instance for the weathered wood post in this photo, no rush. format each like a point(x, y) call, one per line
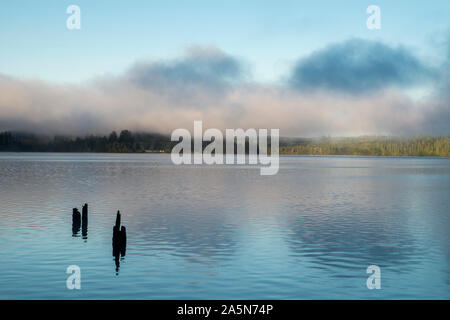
point(119, 240)
point(118, 219)
point(76, 221)
point(84, 219)
point(123, 241)
point(116, 236)
point(84, 216)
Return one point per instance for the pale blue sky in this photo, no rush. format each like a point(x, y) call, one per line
point(268, 35)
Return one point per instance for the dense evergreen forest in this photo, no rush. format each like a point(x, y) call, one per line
point(127, 141)
point(122, 143)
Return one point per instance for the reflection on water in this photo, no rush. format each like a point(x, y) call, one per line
point(224, 231)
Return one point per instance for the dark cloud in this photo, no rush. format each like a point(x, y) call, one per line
point(358, 66)
point(202, 67)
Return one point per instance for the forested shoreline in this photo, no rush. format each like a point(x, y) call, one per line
point(129, 142)
point(125, 142)
point(369, 146)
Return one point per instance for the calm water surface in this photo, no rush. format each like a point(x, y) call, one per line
point(206, 232)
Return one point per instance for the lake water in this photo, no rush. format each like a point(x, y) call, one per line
point(207, 232)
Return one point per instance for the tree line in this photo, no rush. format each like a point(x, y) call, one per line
point(369, 146)
point(125, 142)
point(128, 141)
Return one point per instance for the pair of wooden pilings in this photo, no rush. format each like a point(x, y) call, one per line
point(119, 240)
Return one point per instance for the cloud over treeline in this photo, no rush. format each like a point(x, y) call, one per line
point(353, 88)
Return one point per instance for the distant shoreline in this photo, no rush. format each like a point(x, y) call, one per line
point(281, 154)
point(129, 142)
